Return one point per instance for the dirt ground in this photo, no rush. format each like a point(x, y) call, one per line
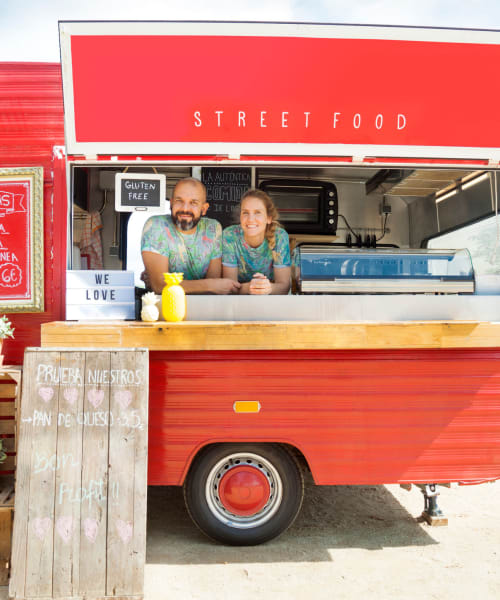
point(348, 542)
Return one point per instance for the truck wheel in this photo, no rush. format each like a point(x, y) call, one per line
point(244, 494)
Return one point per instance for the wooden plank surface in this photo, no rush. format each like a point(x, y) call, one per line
point(10, 373)
point(126, 509)
point(7, 492)
point(9, 464)
point(7, 408)
point(94, 479)
point(5, 543)
point(9, 444)
point(39, 413)
point(8, 390)
point(80, 508)
point(275, 335)
point(140, 483)
point(23, 474)
point(7, 426)
point(68, 469)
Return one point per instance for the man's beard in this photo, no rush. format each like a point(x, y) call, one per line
point(185, 225)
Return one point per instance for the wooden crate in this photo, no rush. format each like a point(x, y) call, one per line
point(6, 519)
point(10, 394)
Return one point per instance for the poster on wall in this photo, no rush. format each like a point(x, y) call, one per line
point(21, 239)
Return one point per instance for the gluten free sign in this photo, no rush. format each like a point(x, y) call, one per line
point(140, 192)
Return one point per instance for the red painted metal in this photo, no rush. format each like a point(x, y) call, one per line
point(244, 491)
point(291, 73)
point(263, 158)
point(358, 417)
point(31, 124)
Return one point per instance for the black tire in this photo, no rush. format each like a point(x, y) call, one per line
point(269, 464)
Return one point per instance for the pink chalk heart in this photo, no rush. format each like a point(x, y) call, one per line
point(124, 398)
point(90, 527)
point(95, 397)
point(64, 527)
point(46, 393)
point(41, 526)
point(71, 395)
point(124, 530)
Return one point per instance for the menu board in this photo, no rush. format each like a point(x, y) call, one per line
point(225, 186)
point(81, 482)
point(21, 240)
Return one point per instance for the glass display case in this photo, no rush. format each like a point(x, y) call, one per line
point(324, 269)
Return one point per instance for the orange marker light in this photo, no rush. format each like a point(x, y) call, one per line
point(246, 406)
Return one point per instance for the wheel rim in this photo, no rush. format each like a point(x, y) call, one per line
point(243, 490)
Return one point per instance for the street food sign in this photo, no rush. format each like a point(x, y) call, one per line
point(279, 89)
point(21, 240)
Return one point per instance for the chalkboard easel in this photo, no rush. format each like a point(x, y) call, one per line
point(80, 504)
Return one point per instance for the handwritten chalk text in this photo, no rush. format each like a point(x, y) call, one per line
point(53, 463)
point(94, 491)
point(59, 375)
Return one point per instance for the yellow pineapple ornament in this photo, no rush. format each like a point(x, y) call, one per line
point(173, 297)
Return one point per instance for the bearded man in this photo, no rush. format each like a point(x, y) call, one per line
point(186, 242)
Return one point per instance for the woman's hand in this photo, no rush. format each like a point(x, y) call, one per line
point(260, 284)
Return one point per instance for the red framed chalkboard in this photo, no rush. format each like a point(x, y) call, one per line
point(21, 240)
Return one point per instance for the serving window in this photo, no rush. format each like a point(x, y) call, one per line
point(375, 209)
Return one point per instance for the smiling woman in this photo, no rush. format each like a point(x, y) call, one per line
point(257, 253)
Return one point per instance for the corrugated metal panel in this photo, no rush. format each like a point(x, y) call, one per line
point(31, 124)
point(359, 417)
point(31, 114)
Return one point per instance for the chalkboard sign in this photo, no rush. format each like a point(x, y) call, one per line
point(225, 186)
point(140, 192)
point(80, 504)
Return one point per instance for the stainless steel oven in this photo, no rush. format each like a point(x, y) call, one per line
point(304, 206)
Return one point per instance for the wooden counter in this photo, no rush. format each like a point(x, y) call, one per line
point(271, 335)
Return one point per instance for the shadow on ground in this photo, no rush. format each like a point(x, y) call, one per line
point(332, 517)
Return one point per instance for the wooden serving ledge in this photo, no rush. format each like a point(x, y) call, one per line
point(271, 335)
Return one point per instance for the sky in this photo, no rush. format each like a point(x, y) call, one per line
point(28, 28)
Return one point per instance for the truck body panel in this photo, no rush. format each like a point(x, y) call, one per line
point(31, 126)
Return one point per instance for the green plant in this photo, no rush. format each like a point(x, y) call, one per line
point(6, 329)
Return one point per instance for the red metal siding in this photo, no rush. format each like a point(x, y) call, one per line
point(31, 124)
point(359, 417)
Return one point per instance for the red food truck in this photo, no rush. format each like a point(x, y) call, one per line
point(379, 146)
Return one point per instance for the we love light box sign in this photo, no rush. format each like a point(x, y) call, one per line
point(100, 295)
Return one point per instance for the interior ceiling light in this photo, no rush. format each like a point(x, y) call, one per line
point(445, 196)
point(469, 183)
point(462, 185)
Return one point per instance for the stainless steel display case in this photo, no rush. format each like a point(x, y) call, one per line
point(324, 269)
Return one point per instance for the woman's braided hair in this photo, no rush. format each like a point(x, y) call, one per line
point(271, 211)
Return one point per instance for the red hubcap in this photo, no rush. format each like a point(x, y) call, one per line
point(244, 490)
